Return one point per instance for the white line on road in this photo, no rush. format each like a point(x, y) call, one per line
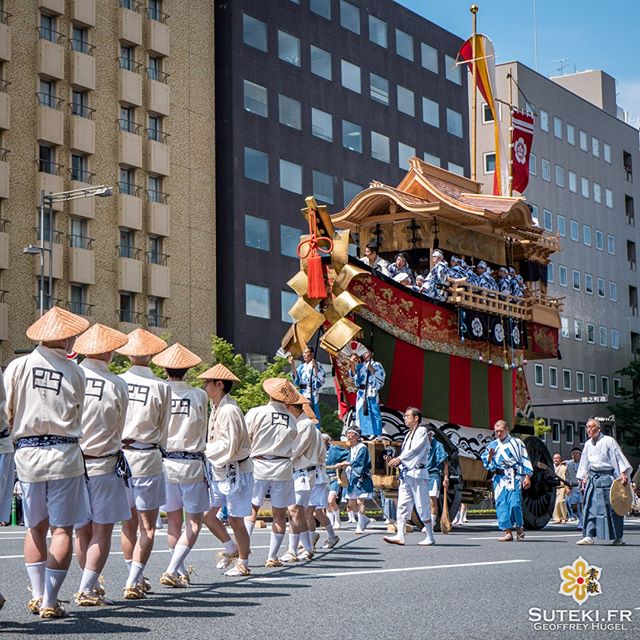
point(395, 570)
point(548, 537)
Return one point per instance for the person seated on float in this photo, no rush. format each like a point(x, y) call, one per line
point(420, 280)
point(503, 280)
point(483, 277)
point(457, 268)
point(434, 286)
point(404, 279)
point(373, 260)
point(517, 283)
point(401, 265)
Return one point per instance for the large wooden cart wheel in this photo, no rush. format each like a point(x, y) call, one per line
point(539, 500)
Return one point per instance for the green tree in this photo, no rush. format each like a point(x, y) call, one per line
point(627, 411)
point(540, 428)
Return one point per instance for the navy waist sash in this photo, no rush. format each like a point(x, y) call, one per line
point(4, 433)
point(44, 441)
point(183, 455)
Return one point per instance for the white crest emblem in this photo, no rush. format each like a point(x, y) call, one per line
point(498, 333)
point(476, 327)
point(515, 335)
point(520, 148)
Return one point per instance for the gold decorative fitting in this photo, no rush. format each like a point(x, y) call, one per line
point(299, 283)
point(346, 302)
point(335, 339)
point(347, 274)
point(325, 225)
point(340, 253)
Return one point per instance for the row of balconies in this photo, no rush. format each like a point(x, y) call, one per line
point(82, 11)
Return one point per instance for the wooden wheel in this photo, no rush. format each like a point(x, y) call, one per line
point(539, 500)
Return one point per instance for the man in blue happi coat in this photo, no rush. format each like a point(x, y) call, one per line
point(507, 458)
point(434, 285)
point(401, 265)
point(438, 467)
point(369, 377)
point(309, 378)
point(458, 268)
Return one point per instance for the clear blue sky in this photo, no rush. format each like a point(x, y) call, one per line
point(591, 34)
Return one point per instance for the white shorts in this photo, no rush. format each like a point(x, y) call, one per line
point(319, 495)
point(414, 492)
point(7, 472)
point(192, 496)
point(146, 494)
point(281, 492)
point(238, 502)
point(435, 482)
point(108, 499)
point(65, 502)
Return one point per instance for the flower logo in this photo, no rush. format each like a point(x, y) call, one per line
point(476, 327)
point(520, 148)
point(580, 580)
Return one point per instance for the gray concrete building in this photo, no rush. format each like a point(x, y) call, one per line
point(582, 187)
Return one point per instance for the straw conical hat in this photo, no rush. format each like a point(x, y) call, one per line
point(218, 372)
point(57, 324)
point(176, 357)
point(99, 339)
point(309, 412)
point(142, 343)
point(621, 497)
point(283, 390)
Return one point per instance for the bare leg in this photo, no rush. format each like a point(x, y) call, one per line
point(279, 520)
point(129, 536)
point(147, 529)
point(98, 550)
point(174, 527)
point(35, 543)
point(60, 549)
point(216, 527)
point(242, 537)
point(83, 540)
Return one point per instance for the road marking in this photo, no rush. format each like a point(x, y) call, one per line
point(119, 553)
point(395, 570)
point(529, 537)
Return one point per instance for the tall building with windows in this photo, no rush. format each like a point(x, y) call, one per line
point(317, 97)
point(582, 188)
point(115, 92)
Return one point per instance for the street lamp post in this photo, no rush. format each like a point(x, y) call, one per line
point(48, 199)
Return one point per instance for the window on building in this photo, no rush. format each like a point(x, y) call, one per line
point(562, 275)
point(570, 428)
point(534, 214)
point(431, 158)
point(289, 112)
point(380, 148)
point(254, 32)
point(547, 220)
point(155, 255)
point(80, 104)
point(349, 16)
point(154, 11)
point(350, 191)
point(79, 168)
point(555, 430)
point(557, 127)
point(379, 89)
point(606, 148)
point(611, 244)
point(586, 235)
point(574, 231)
point(454, 123)
point(487, 114)
point(256, 165)
point(47, 29)
point(154, 130)
point(604, 385)
point(47, 94)
point(539, 375)
point(578, 328)
point(582, 432)
point(322, 186)
point(80, 39)
point(559, 176)
point(352, 136)
point(47, 159)
point(597, 193)
point(573, 182)
point(458, 169)
point(566, 379)
point(404, 45)
point(615, 339)
point(550, 273)
point(405, 153)
point(571, 134)
point(616, 388)
point(588, 283)
point(126, 248)
point(321, 124)
point(377, 31)
point(593, 383)
point(431, 112)
point(321, 7)
point(350, 74)
point(255, 99)
point(595, 147)
point(78, 299)
point(608, 198)
point(584, 187)
point(127, 119)
point(256, 233)
point(257, 301)
point(429, 57)
point(633, 300)
point(126, 184)
point(78, 233)
point(126, 313)
point(544, 120)
point(321, 62)
point(155, 192)
point(580, 381)
point(564, 327)
point(290, 176)
point(583, 140)
point(287, 300)
point(613, 291)
point(532, 164)
point(289, 239)
point(553, 377)
point(546, 170)
point(154, 70)
point(575, 277)
point(591, 333)
point(599, 240)
point(288, 48)
point(562, 225)
point(603, 336)
point(600, 285)
point(154, 312)
point(406, 101)
point(452, 72)
point(489, 162)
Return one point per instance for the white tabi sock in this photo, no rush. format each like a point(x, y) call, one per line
point(401, 526)
point(294, 539)
point(88, 581)
point(305, 538)
point(249, 526)
point(230, 546)
point(329, 529)
point(363, 521)
point(336, 516)
point(352, 517)
point(129, 563)
point(274, 545)
point(177, 559)
point(429, 530)
point(35, 570)
point(53, 579)
point(135, 574)
point(433, 520)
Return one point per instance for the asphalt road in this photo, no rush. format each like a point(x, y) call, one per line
point(467, 586)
